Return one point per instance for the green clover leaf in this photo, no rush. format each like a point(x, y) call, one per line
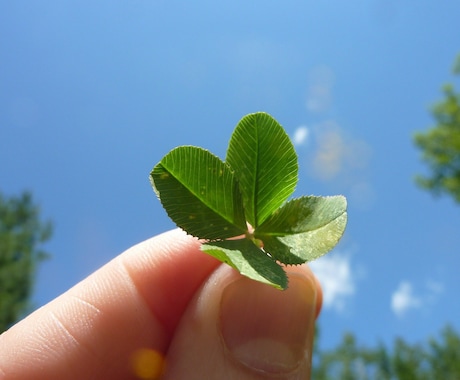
point(245, 198)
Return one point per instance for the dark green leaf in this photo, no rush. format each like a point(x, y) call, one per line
point(200, 194)
point(280, 251)
point(249, 260)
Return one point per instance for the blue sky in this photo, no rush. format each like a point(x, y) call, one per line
point(93, 94)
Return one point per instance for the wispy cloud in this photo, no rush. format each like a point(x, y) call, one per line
point(340, 158)
point(404, 298)
point(337, 153)
point(434, 287)
point(319, 89)
point(337, 280)
point(301, 135)
point(331, 152)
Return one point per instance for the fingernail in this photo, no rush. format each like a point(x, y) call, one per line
point(266, 329)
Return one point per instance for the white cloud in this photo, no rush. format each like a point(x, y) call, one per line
point(404, 299)
point(300, 135)
point(336, 278)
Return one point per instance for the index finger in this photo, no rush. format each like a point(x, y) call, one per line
point(91, 331)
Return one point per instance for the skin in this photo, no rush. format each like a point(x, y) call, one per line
point(163, 309)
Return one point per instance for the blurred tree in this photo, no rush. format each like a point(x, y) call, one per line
point(444, 355)
point(439, 359)
point(346, 362)
point(21, 234)
point(408, 361)
point(441, 144)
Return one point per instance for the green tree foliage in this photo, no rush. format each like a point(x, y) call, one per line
point(440, 145)
point(437, 359)
point(21, 235)
point(445, 355)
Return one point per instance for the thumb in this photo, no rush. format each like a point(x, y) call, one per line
point(237, 328)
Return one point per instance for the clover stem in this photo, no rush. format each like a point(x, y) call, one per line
point(249, 232)
point(250, 236)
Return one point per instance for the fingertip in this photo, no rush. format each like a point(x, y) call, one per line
point(306, 270)
point(167, 270)
point(319, 296)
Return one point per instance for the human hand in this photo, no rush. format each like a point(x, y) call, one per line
point(165, 305)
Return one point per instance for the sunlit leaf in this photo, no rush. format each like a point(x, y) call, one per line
point(265, 162)
point(303, 214)
point(304, 228)
point(307, 246)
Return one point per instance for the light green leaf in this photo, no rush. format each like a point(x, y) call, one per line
point(303, 214)
point(307, 246)
point(304, 228)
point(264, 160)
point(200, 193)
point(249, 260)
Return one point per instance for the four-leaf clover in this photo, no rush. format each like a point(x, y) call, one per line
point(241, 207)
